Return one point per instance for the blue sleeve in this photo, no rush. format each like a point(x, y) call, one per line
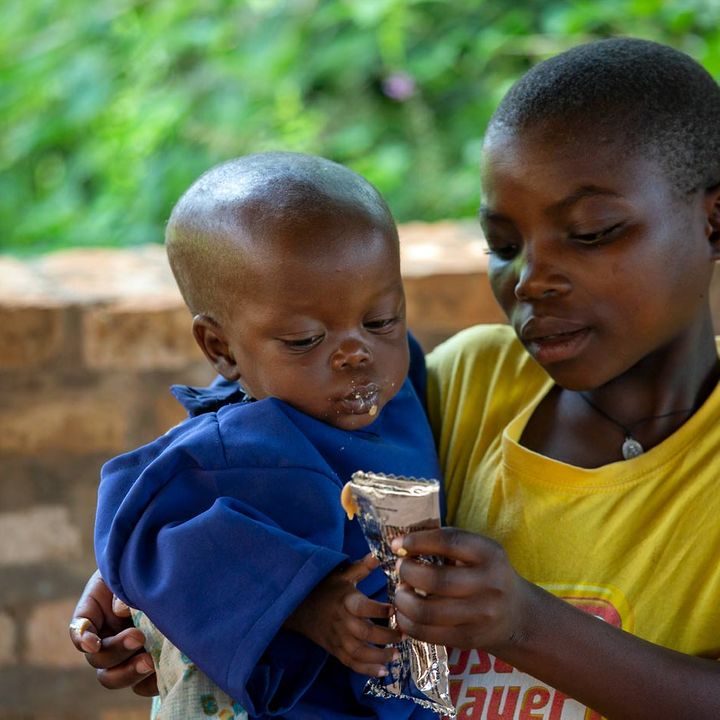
point(219, 561)
point(418, 372)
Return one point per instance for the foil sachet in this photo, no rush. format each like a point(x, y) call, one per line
point(387, 507)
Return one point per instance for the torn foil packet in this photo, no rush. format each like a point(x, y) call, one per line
point(387, 507)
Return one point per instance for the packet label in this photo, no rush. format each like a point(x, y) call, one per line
point(387, 507)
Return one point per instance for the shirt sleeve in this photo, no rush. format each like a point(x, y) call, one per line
point(218, 564)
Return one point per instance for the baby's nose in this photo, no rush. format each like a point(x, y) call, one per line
point(350, 354)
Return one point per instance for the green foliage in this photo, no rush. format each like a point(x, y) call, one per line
point(111, 108)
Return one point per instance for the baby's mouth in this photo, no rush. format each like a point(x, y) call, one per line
point(362, 400)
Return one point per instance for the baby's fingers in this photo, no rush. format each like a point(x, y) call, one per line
point(360, 569)
point(365, 659)
point(366, 631)
point(362, 606)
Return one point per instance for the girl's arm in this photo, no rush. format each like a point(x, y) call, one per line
point(477, 600)
point(110, 642)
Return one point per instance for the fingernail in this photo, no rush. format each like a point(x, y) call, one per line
point(90, 643)
point(119, 607)
point(144, 666)
point(397, 547)
point(382, 672)
point(132, 643)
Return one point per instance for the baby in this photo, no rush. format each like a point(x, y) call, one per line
point(290, 267)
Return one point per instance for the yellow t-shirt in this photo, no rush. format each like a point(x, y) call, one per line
point(636, 542)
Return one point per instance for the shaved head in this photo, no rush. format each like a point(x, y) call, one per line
point(258, 205)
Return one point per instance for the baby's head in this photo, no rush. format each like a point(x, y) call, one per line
point(290, 266)
point(601, 207)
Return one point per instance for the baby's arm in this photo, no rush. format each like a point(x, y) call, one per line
point(478, 600)
point(338, 617)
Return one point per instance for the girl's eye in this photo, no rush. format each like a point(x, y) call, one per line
point(381, 324)
point(596, 237)
point(303, 343)
point(503, 252)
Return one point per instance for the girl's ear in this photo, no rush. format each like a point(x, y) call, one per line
point(712, 208)
point(212, 341)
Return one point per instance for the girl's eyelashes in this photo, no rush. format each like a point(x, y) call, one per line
point(596, 237)
point(503, 252)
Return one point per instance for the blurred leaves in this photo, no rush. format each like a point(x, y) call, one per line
point(111, 108)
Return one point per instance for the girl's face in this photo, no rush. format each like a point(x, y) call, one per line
point(596, 261)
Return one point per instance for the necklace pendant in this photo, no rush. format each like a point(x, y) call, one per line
point(631, 448)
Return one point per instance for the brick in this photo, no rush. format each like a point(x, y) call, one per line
point(7, 640)
point(120, 714)
point(168, 413)
point(441, 248)
point(72, 422)
point(38, 535)
point(148, 336)
point(444, 304)
point(99, 275)
point(47, 643)
point(30, 336)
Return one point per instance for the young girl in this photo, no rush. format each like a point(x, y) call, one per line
point(586, 442)
point(579, 450)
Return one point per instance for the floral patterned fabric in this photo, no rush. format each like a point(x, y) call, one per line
point(186, 692)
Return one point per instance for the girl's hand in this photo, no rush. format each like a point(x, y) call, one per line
point(475, 600)
point(103, 631)
point(338, 617)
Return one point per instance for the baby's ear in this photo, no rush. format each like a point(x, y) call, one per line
point(210, 337)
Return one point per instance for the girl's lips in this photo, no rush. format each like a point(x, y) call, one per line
point(558, 347)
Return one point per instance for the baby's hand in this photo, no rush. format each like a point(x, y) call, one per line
point(475, 600)
point(337, 616)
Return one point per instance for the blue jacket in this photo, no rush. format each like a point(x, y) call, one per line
point(222, 526)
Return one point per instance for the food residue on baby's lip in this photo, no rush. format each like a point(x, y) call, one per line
point(347, 500)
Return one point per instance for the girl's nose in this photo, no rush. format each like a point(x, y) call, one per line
point(350, 354)
point(539, 277)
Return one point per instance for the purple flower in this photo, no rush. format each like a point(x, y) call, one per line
point(399, 86)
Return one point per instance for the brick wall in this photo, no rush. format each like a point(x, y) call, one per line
point(89, 342)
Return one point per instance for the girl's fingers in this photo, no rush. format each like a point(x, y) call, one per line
point(120, 608)
point(83, 634)
point(452, 637)
point(147, 687)
point(457, 545)
point(117, 649)
point(446, 580)
point(441, 612)
point(127, 674)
